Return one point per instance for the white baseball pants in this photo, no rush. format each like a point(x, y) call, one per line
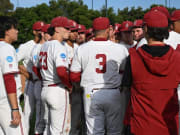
point(5, 120)
point(56, 99)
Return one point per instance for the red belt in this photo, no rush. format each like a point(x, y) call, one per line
point(54, 85)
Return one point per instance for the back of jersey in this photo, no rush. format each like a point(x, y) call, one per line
point(51, 56)
point(24, 53)
point(100, 62)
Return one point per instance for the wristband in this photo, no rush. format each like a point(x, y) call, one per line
point(16, 109)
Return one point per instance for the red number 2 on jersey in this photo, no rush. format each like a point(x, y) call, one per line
point(43, 60)
point(102, 63)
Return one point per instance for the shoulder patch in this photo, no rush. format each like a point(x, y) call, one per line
point(35, 57)
point(63, 55)
point(17, 50)
point(9, 59)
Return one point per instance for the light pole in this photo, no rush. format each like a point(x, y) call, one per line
point(92, 4)
point(166, 3)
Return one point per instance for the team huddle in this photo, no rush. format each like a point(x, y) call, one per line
point(115, 80)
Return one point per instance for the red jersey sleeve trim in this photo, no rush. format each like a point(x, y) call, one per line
point(75, 76)
point(10, 83)
point(178, 47)
point(63, 75)
point(37, 72)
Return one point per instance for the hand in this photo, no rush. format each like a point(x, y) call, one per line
point(16, 118)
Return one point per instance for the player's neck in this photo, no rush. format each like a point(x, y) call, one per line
point(42, 41)
point(36, 39)
point(57, 37)
point(70, 43)
point(1, 39)
point(8, 40)
point(152, 42)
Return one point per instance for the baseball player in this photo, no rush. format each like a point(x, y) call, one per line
point(126, 35)
point(89, 34)
point(76, 100)
point(117, 33)
point(24, 53)
point(111, 33)
point(138, 30)
point(174, 37)
point(52, 62)
point(81, 34)
point(96, 65)
point(39, 123)
point(148, 72)
point(11, 119)
point(174, 34)
point(70, 43)
point(45, 30)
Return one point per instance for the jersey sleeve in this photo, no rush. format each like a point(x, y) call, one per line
point(21, 52)
point(8, 60)
point(125, 55)
point(35, 55)
point(60, 56)
point(76, 63)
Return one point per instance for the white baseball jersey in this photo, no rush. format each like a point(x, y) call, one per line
point(173, 40)
point(70, 52)
point(51, 56)
point(24, 53)
point(128, 46)
point(34, 56)
point(100, 63)
point(8, 64)
point(142, 42)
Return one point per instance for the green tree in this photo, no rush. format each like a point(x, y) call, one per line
point(5, 6)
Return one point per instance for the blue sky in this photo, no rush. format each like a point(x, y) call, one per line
point(111, 3)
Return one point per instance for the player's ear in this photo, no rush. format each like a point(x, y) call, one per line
point(107, 31)
point(145, 29)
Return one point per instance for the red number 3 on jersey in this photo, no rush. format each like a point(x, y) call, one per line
point(102, 63)
point(43, 60)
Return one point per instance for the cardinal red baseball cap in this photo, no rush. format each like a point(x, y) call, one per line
point(117, 27)
point(126, 26)
point(156, 19)
point(38, 25)
point(72, 25)
point(89, 33)
point(175, 16)
point(81, 28)
point(100, 23)
point(45, 28)
point(138, 23)
point(60, 21)
point(162, 9)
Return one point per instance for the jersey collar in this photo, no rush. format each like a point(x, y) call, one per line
point(100, 39)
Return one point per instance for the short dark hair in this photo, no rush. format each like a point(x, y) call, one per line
point(51, 31)
point(97, 32)
point(158, 34)
point(6, 23)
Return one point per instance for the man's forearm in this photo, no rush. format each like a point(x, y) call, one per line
point(12, 97)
